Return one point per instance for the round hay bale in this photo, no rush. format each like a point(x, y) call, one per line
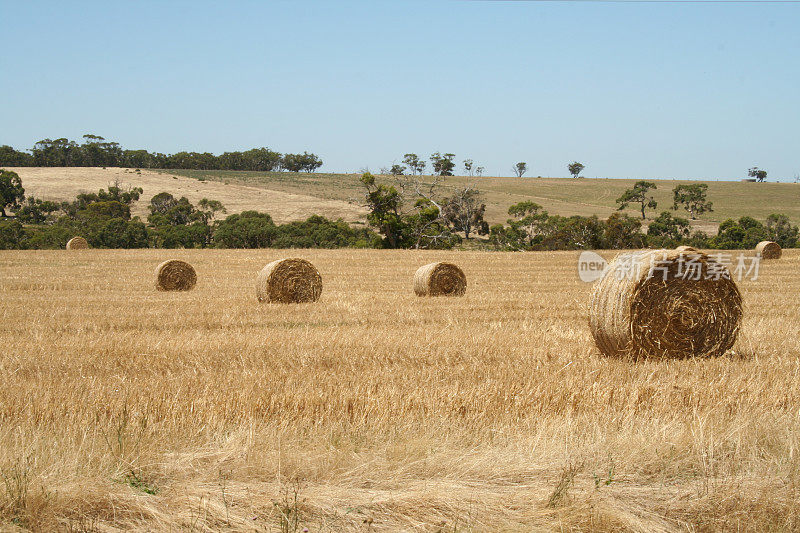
point(684, 248)
point(769, 250)
point(665, 304)
point(440, 279)
point(175, 275)
point(289, 281)
point(77, 243)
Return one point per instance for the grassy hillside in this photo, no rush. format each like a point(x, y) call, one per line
point(293, 196)
point(562, 196)
point(61, 183)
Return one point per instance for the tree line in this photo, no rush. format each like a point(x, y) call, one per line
point(412, 212)
point(403, 212)
point(532, 228)
point(95, 151)
point(445, 165)
point(104, 220)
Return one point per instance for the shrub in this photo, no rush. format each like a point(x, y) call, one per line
point(320, 232)
point(194, 235)
point(745, 233)
point(622, 231)
point(249, 229)
point(12, 235)
point(782, 231)
point(667, 231)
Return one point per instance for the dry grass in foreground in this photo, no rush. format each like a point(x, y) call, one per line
point(122, 407)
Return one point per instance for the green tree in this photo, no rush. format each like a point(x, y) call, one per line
point(249, 229)
point(464, 211)
point(468, 165)
point(177, 223)
point(106, 209)
point(501, 239)
point(692, 198)
point(575, 169)
point(397, 170)
point(385, 205)
point(528, 226)
point(165, 210)
point(13, 158)
point(161, 203)
point(36, 211)
point(414, 163)
point(320, 232)
point(119, 233)
point(668, 231)
point(210, 208)
point(573, 233)
point(443, 165)
point(739, 234)
point(782, 231)
point(638, 195)
point(115, 193)
point(757, 173)
point(426, 228)
point(520, 169)
point(311, 162)
point(11, 191)
point(292, 162)
point(194, 235)
point(52, 237)
point(304, 162)
point(12, 235)
point(57, 153)
point(96, 152)
point(622, 231)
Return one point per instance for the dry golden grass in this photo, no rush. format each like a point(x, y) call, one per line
point(122, 407)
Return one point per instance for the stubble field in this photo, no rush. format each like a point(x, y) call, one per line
point(124, 408)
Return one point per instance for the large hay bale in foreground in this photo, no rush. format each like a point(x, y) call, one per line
point(289, 281)
point(440, 279)
point(77, 243)
point(175, 275)
point(769, 250)
point(667, 304)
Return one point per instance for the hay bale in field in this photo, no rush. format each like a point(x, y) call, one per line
point(77, 243)
point(440, 279)
point(665, 303)
point(685, 248)
point(289, 281)
point(175, 275)
point(769, 250)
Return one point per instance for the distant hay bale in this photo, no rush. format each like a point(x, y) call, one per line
point(769, 250)
point(665, 304)
point(289, 281)
point(685, 248)
point(440, 279)
point(77, 243)
point(175, 275)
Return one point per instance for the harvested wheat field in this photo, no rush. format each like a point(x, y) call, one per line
point(126, 408)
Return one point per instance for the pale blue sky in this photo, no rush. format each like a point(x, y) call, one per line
point(701, 90)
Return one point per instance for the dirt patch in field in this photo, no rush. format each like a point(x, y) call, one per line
point(59, 183)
